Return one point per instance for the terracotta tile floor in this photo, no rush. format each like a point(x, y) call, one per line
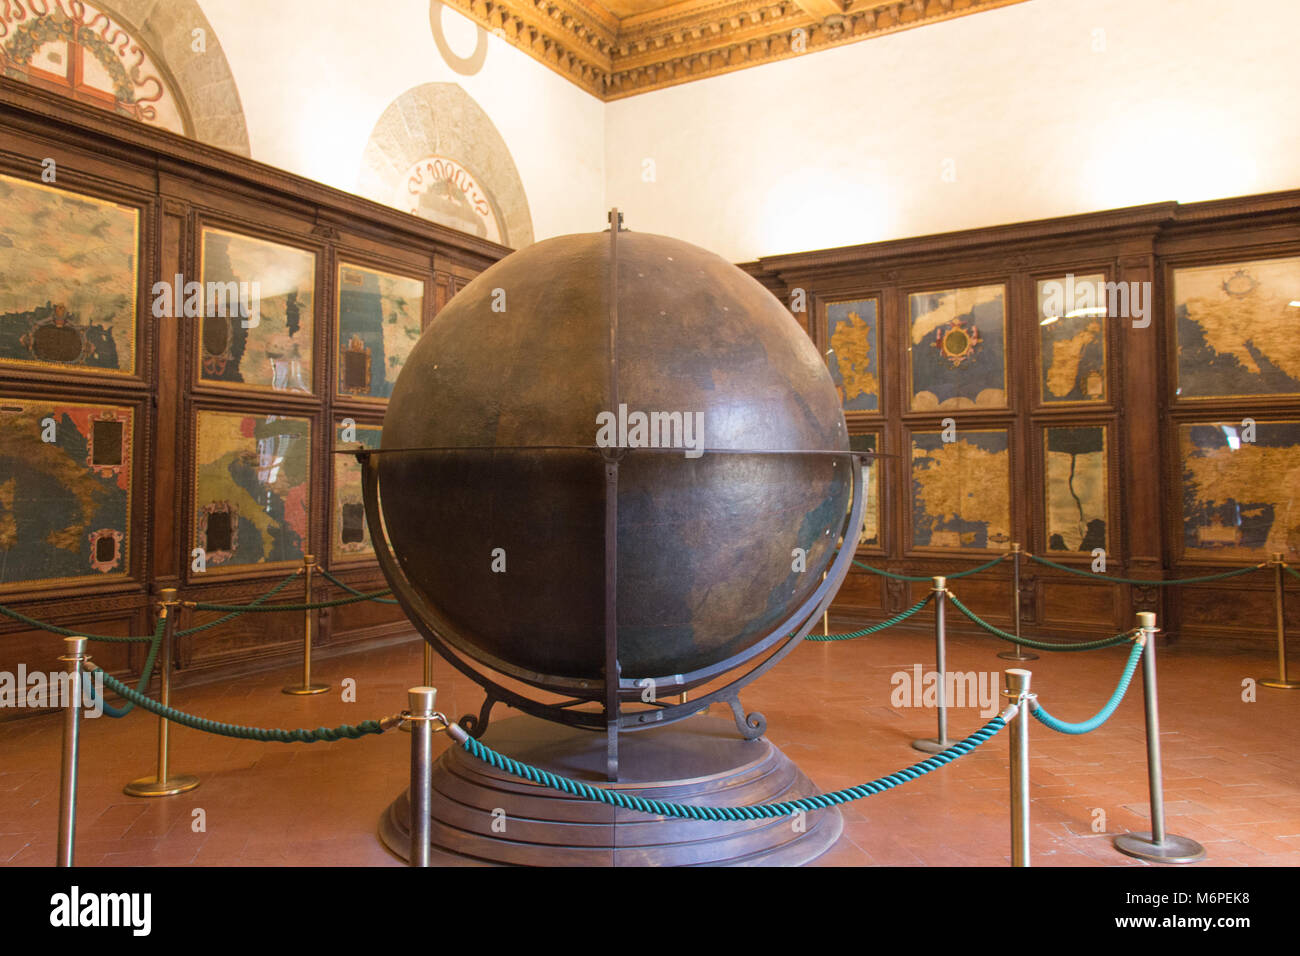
point(1232, 769)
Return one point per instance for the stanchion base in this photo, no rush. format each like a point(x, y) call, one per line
point(153, 787)
point(932, 746)
point(1280, 684)
point(1019, 655)
point(301, 690)
point(1175, 849)
point(482, 815)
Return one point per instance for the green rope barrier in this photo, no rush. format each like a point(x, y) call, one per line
point(248, 608)
point(343, 731)
point(1291, 571)
point(1106, 577)
point(759, 811)
point(904, 577)
point(350, 589)
point(53, 629)
point(1096, 720)
point(1039, 645)
point(146, 672)
point(230, 617)
point(903, 616)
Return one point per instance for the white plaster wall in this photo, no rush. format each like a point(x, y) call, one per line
point(1188, 100)
point(315, 76)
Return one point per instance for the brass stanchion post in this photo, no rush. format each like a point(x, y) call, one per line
point(76, 654)
point(1016, 682)
point(309, 618)
point(420, 795)
point(826, 616)
point(163, 784)
point(940, 742)
point(1156, 846)
point(1019, 653)
point(1279, 596)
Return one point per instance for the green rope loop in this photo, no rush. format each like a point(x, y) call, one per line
point(1291, 571)
point(146, 672)
point(351, 590)
point(1106, 577)
point(266, 608)
point(1040, 645)
point(759, 811)
point(341, 732)
point(902, 616)
point(1096, 720)
point(230, 617)
point(41, 625)
point(903, 577)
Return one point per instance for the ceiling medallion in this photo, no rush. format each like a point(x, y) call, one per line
point(957, 341)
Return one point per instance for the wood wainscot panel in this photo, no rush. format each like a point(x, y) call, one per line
point(29, 652)
point(1236, 612)
point(1078, 602)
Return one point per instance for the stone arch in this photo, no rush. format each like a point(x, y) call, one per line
point(441, 121)
point(195, 89)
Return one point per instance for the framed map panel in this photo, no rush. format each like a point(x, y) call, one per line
point(961, 490)
point(1072, 339)
point(349, 533)
point(1236, 327)
point(853, 355)
point(958, 348)
point(251, 488)
point(258, 324)
point(68, 280)
point(1241, 498)
point(1075, 469)
point(871, 480)
point(65, 491)
point(379, 323)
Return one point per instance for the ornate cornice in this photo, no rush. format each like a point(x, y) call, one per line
point(612, 57)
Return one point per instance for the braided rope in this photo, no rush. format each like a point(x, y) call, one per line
point(1197, 580)
point(351, 590)
point(1040, 645)
point(146, 672)
point(66, 632)
point(230, 617)
point(343, 731)
point(267, 608)
point(902, 616)
point(1096, 720)
point(1291, 571)
point(904, 577)
point(760, 811)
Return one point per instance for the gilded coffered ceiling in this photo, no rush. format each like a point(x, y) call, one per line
point(618, 48)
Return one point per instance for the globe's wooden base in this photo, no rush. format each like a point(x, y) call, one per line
point(484, 816)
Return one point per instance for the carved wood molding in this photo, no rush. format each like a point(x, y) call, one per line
point(612, 57)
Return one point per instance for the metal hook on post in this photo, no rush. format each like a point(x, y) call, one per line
point(76, 656)
point(1016, 689)
point(162, 784)
point(1279, 597)
point(1018, 653)
point(1156, 846)
point(309, 617)
point(941, 741)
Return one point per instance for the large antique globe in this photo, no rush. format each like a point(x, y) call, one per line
point(495, 478)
